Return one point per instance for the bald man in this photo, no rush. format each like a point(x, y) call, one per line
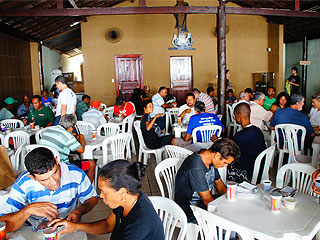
point(250, 139)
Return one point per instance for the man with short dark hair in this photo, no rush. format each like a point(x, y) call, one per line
point(199, 175)
point(250, 93)
point(294, 81)
point(82, 106)
point(201, 118)
point(205, 98)
point(231, 98)
point(270, 99)
point(48, 189)
point(25, 107)
point(46, 101)
point(187, 110)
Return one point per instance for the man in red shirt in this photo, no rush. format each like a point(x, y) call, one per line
point(123, 108)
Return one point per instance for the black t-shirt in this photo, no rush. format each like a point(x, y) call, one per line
point(193, 177)
point(142, 222)
point(251, 143)
point(150, 137)
point(296, 80)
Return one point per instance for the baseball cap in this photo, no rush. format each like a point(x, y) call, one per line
point(119, 100)
point(95, 104)
point(10, 100)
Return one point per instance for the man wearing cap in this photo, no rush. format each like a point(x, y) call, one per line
point(5, 112)
point(94, 115)
point(123, 108)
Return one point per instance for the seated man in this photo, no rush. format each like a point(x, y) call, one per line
point(292, 115)
point(123, 108)
point(250, 93)
point(95, 115)
point(315, 110)
point(5, 112)
point(61, 137)
point(47, 189)
point(231, 98)
point(250, 139)
point(198, 175)
point(201, 118)
point(40, 115)
point(243, 98)
point(82, 106)
point(25, 107)
point(170, 99)
point(258, 113)
point(46, 101)
point(270, 99)
point(205, 98)
point(187, 110)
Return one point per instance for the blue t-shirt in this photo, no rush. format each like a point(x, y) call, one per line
point(202, 119)
point(47, 102)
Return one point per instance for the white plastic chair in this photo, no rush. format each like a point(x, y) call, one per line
point(85, 128)
point(55, 152)
point(108, 129)
point(206, 132)
point(168, 169)
point(12, 123)
point(143, 148)
point(177, 152)
point(1, 139)
point(171, 117)
point(113, 148)
point(126, 126)
point(18, 161)
point(39, 134)
point(18, 138)
point(109, 111)
point(231, 122)
point(223, 174)
point(104, 106)
point(301, 177)
point(280, 133)
point(213, 227)
point(171, 215)
point(268, 155)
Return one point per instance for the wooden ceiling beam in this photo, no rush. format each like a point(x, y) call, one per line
point(71, 30)
point(16, 33)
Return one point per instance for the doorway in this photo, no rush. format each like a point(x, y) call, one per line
point(181, 77)
point(128, 74)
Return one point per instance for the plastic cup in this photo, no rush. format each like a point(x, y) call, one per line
point(266, 185)
point(276, 202)
point(94, 134)
point(3, 231)
point(179, 120)
point(290, 202)
point(32, 125)
point(50, 235)
point(37, 127)
point(231, 190)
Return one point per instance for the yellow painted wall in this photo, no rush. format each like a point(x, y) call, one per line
point(35, 68)
point(151, 35)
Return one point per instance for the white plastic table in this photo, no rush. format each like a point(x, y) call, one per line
point(255, 215)
point(28, 234)
point(91, 145)
point(316, 152)
point(196, 147)
point(179, 129)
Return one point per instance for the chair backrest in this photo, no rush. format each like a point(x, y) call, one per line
point(127, 124)
point(103, 106)
point(118, 145)
point(19, 156)
point(1, 139)
point(223, 174)
point(108, 129)
point(18, 138)
point(139, 133)
point(12, 123)
point(168, 169)
point(229, 114)
point(85, 128)
point(213, 227)
point(206, 132)
point(281, 137)
point(171, 215)
point(173, 115)
point(39, 134)
point(268, 156)
point(177, 152)
point(109, 111)
point(55, 152)
point(301, 177)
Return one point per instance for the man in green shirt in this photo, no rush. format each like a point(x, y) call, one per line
point(269, 100)
point(82, 106)
point(41, 115)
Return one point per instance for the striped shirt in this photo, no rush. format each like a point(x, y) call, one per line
point(207, 100)
point(60, 139)
point(74, 186)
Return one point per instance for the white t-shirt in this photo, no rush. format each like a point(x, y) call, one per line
point(94, 116)
point(69, 98)
point(314, 116)
point(187, 116)
point(157, 101)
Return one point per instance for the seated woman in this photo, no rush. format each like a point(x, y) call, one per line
point(151, 133)
point(132, 217)
point(281, 102)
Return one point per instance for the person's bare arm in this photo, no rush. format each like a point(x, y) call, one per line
point(150, 124)
point(63, 109)
point(75, 215)
point(42, 209)
point(221, 188)
point(188, 110)
point(206, 197)
point(187, 137)
point(166, 105)
point(49, 124)
point(80, 138)
point(103, 226)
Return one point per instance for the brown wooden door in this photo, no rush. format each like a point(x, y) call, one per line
point(128, 74)
point(181, 77)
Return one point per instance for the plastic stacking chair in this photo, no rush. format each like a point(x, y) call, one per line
point(55, 152)
point(301, 177)
point(39, 134)
point(127, 126)
point(12, 123)
point(1, 139)
point(213, 227)
point(177, 152)
point(206, 132)
point(143, 148)
point(231, 122)
point(109, 111)
point(171, 215)
point(85, 128)
point(18, 138)
point(108, 129)
point(268, 156)
point(171, 117)
point(168, 169)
